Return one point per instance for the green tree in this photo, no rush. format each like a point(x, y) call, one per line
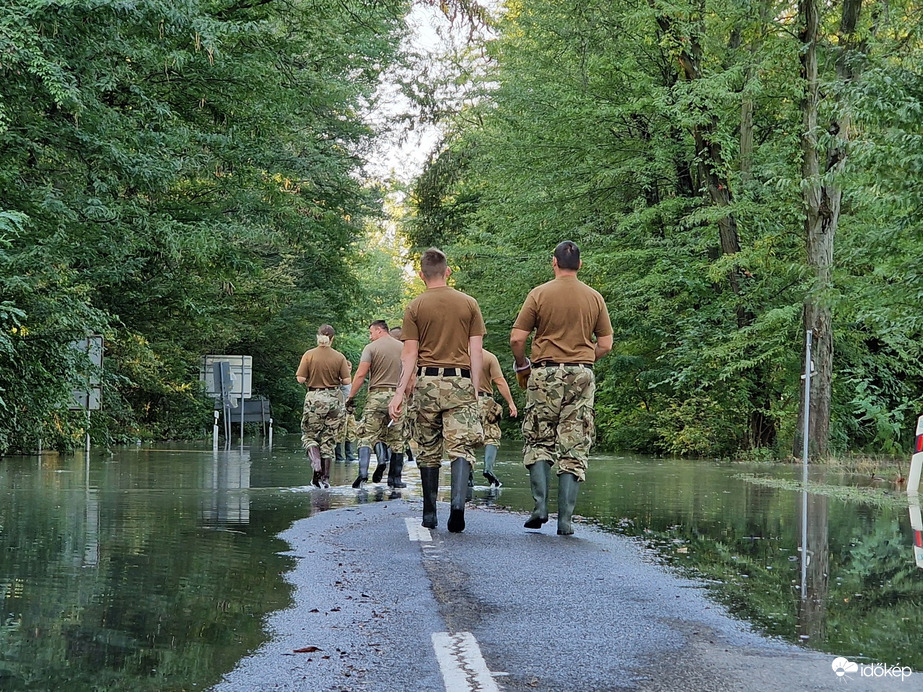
point(183, 179)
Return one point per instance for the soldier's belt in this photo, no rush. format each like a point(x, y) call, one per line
point(484, 393)
point(552, 364)
point(444, 372)
point(320, 389)
point(382, 388)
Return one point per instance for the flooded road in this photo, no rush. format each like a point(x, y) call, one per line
point(154, 568)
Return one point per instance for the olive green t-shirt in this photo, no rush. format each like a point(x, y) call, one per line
point(442, 320)
point(323, 367)
point(384, 358)
point(490, 371)
point(565, 314)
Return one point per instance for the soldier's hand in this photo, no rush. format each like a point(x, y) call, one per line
point(350, 406)
point(522, 373)
point(513, 411)
point(522, 377)
point(395, 407)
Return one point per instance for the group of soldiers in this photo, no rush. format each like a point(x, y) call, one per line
point(431, 382)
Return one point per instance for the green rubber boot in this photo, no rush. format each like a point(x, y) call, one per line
point(490, 456)
point(365, 455)
point(461, 469)
point(568, 485)
point(382, 453)
point(539, 475)
point(350, 450)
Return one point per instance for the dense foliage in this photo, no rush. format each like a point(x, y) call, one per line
point(669, 141)
point(183, 179)
point(187, 179)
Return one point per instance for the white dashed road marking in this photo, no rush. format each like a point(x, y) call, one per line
point(416, 531)
point(463, 668)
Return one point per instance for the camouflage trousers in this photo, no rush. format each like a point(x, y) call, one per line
point(409, 416)
point(490, 412)
point(558, 424)
point(321, 419)
point(376, 422)
point(447, 419)
point(349, 429)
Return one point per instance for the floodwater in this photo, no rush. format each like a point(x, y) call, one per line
point(154, 567)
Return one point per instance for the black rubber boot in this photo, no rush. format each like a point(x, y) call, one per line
point(429, 478)
point(539, 475)
point(568, 485)
point(397, 466)
point(339, 452)
point(365, 456)
point(490, 456)
point(461, 469)
point(350, 450)
point(382, 453)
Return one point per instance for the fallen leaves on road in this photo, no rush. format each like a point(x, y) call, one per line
point(307, 650)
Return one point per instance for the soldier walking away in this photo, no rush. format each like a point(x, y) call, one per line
point(322, 370)
point(491, 412)
point(381, 362)
point(557, 424)
point(443, 333)
point(409, 414)
point(344, 446)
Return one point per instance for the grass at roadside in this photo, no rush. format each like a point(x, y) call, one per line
point(880, 495)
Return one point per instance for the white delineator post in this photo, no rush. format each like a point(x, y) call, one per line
point(809, 337)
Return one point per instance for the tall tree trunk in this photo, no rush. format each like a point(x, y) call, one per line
point(822, 215)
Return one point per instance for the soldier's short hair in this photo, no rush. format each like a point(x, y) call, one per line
point(381, 324)
point(326, 330)
point(433, 263)
point(568, 255)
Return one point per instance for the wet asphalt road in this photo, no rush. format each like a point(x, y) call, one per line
point(587, 613)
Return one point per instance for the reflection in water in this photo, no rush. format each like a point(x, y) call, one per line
point(229, 478)
point(109, 582)
point(113, 577)
point(815, 564)
point(916, 523)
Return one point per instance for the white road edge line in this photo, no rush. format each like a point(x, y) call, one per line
point(463, 668)
point(416, 532)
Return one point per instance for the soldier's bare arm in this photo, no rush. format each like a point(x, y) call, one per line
point(358, 379)
point(408, 369)
point(505, 392)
